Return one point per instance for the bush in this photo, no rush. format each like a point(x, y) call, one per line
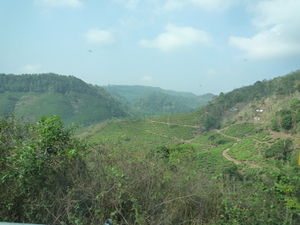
point(41, 173)
point(280, 150)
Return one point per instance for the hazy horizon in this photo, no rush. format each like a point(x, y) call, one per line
point(197, 46)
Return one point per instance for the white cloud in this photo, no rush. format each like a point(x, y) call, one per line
point(276, 11)
point(76, 4)
point(279, 37)
point(213, 5)
point(31, 68)
point(267, 44)
point(147, 78)
point(97, 36)
point(208, 5)
point(171, 5)
point(176, 37)
point(130, 4)
point(211, 72)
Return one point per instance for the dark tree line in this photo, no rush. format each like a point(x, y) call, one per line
point(86, 98)
point(47, 82)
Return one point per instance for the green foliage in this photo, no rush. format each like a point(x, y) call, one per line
point(212, 161)
point(40, 172)
point(159, 103)
point(48, 82)
point(244, 149)
point(188, 119)
point(241, 130)
point(263, 136)
point(132, 92)
point(167, 170)
point(140, 188)
point(275, 124)
point(233, 172)
point(211, 140)
point(287, 119)
point(31, 96)
point(153, 101)
point(257, 92)
point(271, 200)
point(280, 150)
point(209, 121)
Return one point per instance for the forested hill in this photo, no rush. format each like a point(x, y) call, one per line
point(43, 83)
point(157, 101)
point(32, 95)
point(275, 98)
point(131, 92)
point(234, 161)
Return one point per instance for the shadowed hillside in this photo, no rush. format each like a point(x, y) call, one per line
point(29, 96)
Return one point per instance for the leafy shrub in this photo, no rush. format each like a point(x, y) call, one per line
point(41, 172)
point(280, 150)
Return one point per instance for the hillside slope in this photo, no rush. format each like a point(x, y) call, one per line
point(252, 129)
point(29, 96)
point(236, 166)
point(157, 101)
point(131, 92)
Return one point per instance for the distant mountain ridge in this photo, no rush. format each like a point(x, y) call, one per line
point(133, 91)
point(32, 95)
point(155, 100)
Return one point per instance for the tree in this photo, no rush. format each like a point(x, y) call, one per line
point(41, 172)
point(280, 150)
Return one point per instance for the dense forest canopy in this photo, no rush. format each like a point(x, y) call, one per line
point(71, 95)
point(52, 94)
point(46, 82)
point(131, 92)
point(157, 101)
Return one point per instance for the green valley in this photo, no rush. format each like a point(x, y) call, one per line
point(232, 161)
point(157, 101)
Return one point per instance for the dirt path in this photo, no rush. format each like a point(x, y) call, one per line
point(224, 153)
point(235, 161)
point(184, 125)
point(228, 157)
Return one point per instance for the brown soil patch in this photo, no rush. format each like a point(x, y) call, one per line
point(280, 135)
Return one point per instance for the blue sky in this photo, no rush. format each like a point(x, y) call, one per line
point(199, 46)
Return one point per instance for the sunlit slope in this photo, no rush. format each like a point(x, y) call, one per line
point(177, 142)
point(251, 130)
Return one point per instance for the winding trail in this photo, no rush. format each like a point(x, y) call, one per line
point(235, 161)
point(224, 153)
point(228, 157)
